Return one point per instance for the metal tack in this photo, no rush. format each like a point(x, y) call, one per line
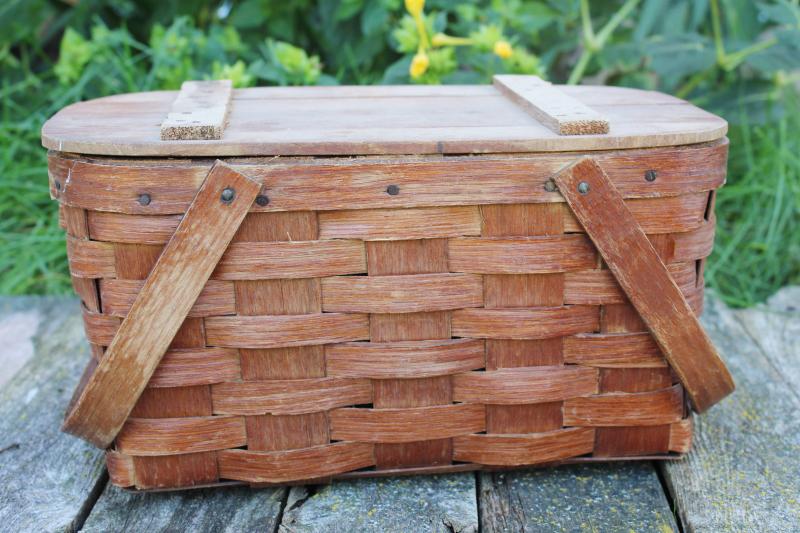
point(228, 194)
point(583, 187)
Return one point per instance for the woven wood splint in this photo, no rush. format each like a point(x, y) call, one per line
point(470, 287)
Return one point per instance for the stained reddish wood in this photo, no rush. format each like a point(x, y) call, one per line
point(599, 287)
point(216, 298)
point(115, 185)
point(90, 259)
point(191, 334)
point(413, 326)
point(169, 471)
point(401, 293)
point(290, 397)
point(294, 465)
point(621, 318)
point(539, 323)
point(283, 363)
point(167, 436)
point(418, 256)
point(173, 402)
point(660, 215)
point(529, 255)
point(680, 436)
point(647, 283)
point(525, 385)
point(161, 306)
point(100, 329)
point(514, 353)
point(286, 432)
point(286, 330)
point(400, 260)
point(404, 359)
point(400, 224)
point(120, 469)
point(637, 350)
point(406, 425)
point(198, 366)
point(626, 409)
point(518, 450)
point(523, 290)
point(669, 214)
point(278, 297)
point(635, 379)
point(524, 418)
point(136, 261)
point(631, 441)
point(74, 221)
point(135, 229)
point(295, 259)
point(86, 289)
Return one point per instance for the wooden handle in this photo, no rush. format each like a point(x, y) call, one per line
point(646, 281)
point(563, 114)
point(160, 308)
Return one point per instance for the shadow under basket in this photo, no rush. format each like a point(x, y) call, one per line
point(287, 285)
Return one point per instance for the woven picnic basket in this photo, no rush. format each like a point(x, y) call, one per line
point(291, 284)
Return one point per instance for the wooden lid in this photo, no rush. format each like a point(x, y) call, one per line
point(361, 120)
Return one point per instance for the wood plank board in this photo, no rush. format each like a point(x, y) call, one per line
point(616, 497)
point(217, 509)
point(377, 120)
point(161, 306)
point(744, 473)
point(442, 503)
point(199, 111)
point(563, 114)
point(48, 480)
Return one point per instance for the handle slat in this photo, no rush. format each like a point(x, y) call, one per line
point(599, 207)
point(162, 305)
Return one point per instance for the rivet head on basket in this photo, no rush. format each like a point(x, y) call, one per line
point(144, 199)
point(550, 186)
point(583, 187)
point(262, 200)
point(393, 190)
point(228, 194)
point(650, 175)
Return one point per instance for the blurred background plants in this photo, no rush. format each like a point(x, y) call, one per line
point(737, 58)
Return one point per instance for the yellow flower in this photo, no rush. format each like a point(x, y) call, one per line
point(503, 49)
point(415, 7)
point(419, 65)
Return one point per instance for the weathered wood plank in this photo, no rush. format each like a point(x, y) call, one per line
point(199, 111)
point(615, 497)
point(48, 480)
point(444, 503)
point(561, 113)
point(220, 509)
point(646, 281)
point(161, 306)
point(744, 473)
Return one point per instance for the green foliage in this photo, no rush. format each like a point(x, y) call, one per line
point(738, 58)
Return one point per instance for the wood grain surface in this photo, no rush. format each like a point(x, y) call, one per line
point(330, 121)
point(646, 281)
point(159, 309)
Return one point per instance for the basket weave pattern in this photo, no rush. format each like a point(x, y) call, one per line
point(337, 340)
